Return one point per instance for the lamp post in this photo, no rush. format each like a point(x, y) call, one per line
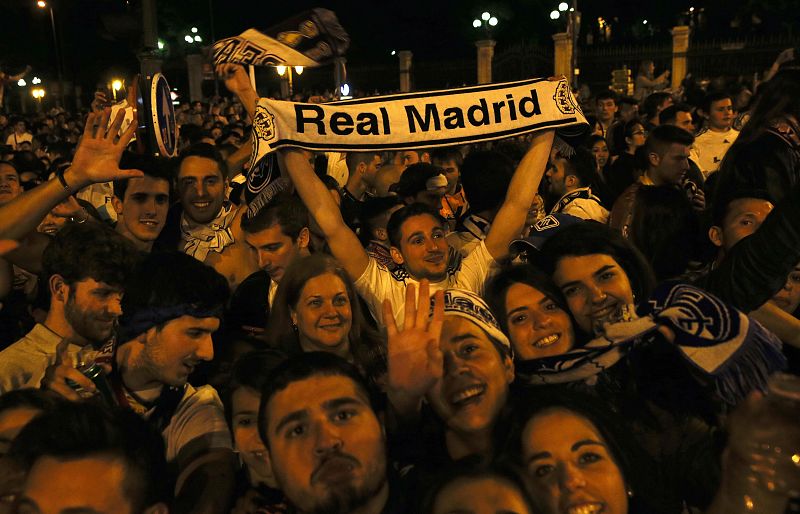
point(573, 17)
point(41, 4)
point(194, 64)
point(38, 94)
point(287, 73)
point(485, 46)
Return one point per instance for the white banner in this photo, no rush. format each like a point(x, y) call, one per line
point(417, 120)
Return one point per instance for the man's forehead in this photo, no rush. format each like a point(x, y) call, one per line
point(196, 165)
point(420, 222)
point(6, 170)
point(272, 234)
point(91, 283)
point(312, 393)
point(187, 321)
point(147, 184)
point(742, 206)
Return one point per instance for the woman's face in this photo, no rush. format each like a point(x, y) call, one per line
point(323, 315)
point(486, 495)
point(596, 287)
point(537, 326)
point(571, 467)
point(600, 152)
point(244, 416)
point(637, 138)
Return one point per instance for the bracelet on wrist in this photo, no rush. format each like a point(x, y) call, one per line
point(67, 188)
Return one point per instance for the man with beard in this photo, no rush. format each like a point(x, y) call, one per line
point(210, 225)
point(570, 181)
point(84, 267)
point(326, 442)
point(172, 306)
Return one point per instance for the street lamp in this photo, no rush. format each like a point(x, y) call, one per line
point(22, 83)
point(116, 85)
point(42, 4)
point(486, 21)
point(36, 80)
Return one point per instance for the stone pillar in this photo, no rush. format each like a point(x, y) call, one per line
point(562, 60)
point(405, 70)
point(485, 55)
point(680, 48)
point(194, 64)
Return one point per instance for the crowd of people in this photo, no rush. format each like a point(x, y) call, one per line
point(534, 325)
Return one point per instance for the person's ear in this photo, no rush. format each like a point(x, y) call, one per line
point(293, 317)
point(303, 238)
point(508, 369)
point(117, 204)
point(361, 168)
point(654, 159)
point(571, 181)
point(715, 235)
point(397, 257)
point(59, 289)
point(425, 157)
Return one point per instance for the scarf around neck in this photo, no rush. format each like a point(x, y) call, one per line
point(214, 236)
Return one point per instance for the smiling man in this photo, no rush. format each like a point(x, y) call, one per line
point(210, 225)
point(325, 440)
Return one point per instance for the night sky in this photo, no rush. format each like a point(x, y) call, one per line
point(99, 37)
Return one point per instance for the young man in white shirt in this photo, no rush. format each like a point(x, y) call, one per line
point(711, 143)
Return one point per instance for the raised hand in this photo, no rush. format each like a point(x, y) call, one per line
point(415, 361)
point(58, 373)
point(236, 79)
point(97, 157)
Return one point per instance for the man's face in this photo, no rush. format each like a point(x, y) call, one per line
point(452, 173)
point(475, 379)
point(606, 109)
point(409, 157)
point(671, 167)
point(326, 444)
point(372, 169)
point(423, 248)
point(743, 217)
point(556, 177)
point(201, 188)
point(627, 112)
point(683, 120)
point(144, 208)
point(171, 353)
point(19, 127)
point(92, 484)
point(720, 115)
point(9, 183)
point(788, 298)
point(275, 250)
point(244, 421)
point(92, 309)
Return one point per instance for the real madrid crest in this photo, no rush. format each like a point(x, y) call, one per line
point(563, 98)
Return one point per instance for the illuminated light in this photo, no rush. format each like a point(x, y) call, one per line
point(198, 39)
point(194, 30)
point(748, 503)
point(485, 16)
point(38, 93)
point(345, 89)
point(42, 4)
point(571, 9)
point(36, 80)
point(298, 70)
point(554, 15)
point(644, 22)
point(281, 70)
point(116, 85)
point(394, 52)
point(796, 458)
point(476, 23)
point(21, 82)
point(563, 6)
point(188, 38)
point(691, 9)
point(493, 21)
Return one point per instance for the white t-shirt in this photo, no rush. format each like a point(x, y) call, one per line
point(710, 147)
point(23, 364)
point(377, 283)
point(581, 203)
point(15, 139)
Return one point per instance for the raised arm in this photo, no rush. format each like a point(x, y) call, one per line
point(343, 242)
point(238, 83)
point(521, 191)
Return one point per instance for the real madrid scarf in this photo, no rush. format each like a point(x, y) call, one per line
point(418, 120)
point(214, 236)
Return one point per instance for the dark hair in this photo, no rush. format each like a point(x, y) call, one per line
point(10, 165)
point(775, 99)
point(302, 367)
point(465, 469)
point(364, 343)
point(353, 159)
point(664, 227)
point(485, 177)
point(663, 136)
point(30, 398)
point(714, 96)
point(25, 160)
point(670, 114)
point(722, 198)
point(582, 166)
point(285, 210)
point(371, 210)
point(644, 68)
point(251, 370)
point(89, 250)
point(498, 285)
point(635, 466)
point(395, 226)
point(606, 95)
point(448, 153)
point(590, 238)
point(626, 132)
point(207, 151)
point(652, 102)
point(74, 430)
point(158, 168)
point(168, 279)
